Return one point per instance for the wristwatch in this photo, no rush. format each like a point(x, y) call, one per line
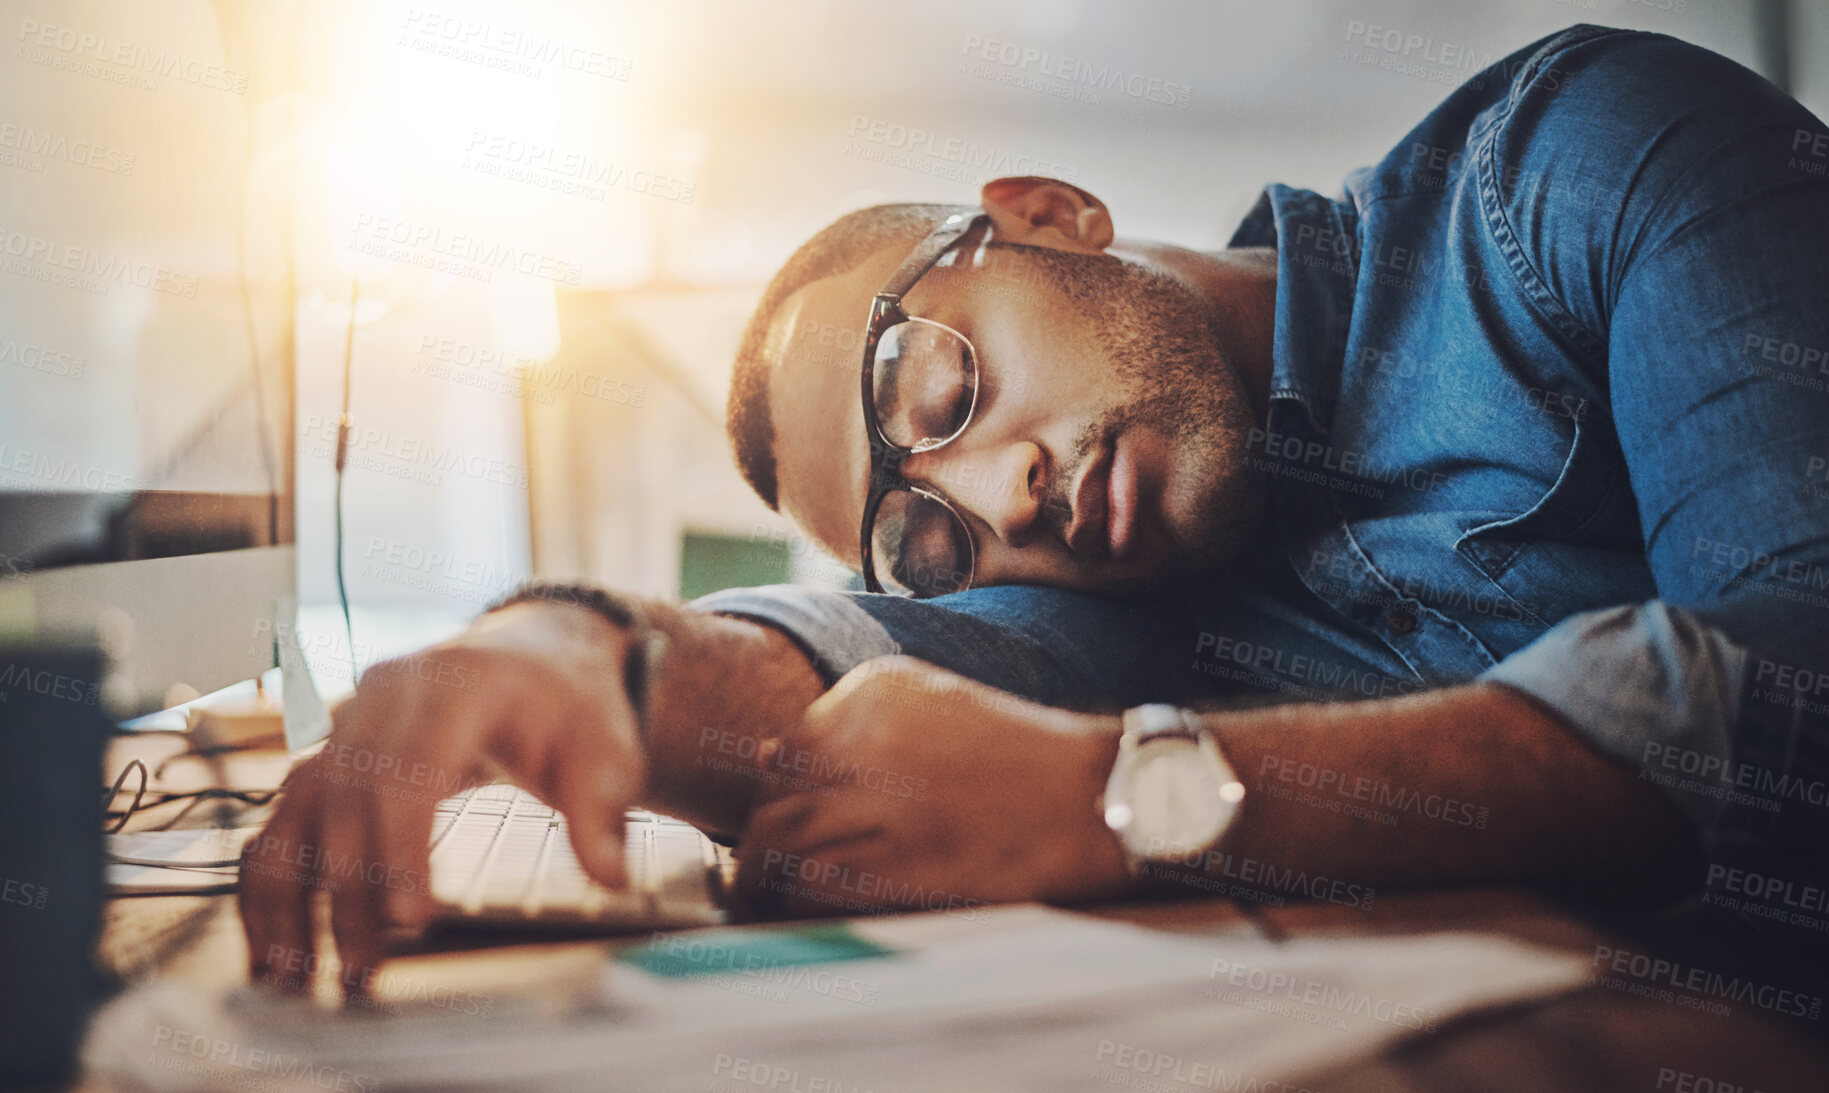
point(1171, 795)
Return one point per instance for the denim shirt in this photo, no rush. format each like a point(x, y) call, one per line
point(1548, 409)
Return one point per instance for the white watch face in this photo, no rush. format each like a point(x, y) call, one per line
point(1177, 801)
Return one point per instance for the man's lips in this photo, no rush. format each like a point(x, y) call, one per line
point(1104, 500)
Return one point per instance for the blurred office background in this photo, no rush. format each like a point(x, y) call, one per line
point(537, 227)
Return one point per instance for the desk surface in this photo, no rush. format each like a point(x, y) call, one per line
point(1598, 1038)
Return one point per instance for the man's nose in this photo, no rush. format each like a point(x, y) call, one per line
point(1003, 486)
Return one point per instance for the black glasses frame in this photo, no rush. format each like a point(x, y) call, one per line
point(886, 455)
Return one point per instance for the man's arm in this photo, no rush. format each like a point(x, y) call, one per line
point(534, 693)
point(1470, 784)
point(724, 686)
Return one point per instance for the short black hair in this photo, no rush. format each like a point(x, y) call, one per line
point(839, 247)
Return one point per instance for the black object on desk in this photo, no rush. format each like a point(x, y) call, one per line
point(52, 734)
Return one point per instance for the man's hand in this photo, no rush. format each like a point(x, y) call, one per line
point(533, 693)
point(909, 787)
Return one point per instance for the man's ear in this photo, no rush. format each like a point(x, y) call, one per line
point(1046, 212)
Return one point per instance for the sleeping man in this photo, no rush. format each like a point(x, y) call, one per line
point(1481, 513)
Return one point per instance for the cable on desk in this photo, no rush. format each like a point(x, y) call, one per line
point(115, 791)
point(252, 797)
point(195, 797)
point(163, 863)
point(341, 465)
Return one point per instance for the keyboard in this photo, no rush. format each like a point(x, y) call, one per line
point(501, 856)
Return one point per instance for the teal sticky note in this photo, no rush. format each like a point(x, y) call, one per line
point(720, 952)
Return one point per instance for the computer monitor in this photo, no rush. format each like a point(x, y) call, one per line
point(146, 340)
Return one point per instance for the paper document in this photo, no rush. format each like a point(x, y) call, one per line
point(1020, 997)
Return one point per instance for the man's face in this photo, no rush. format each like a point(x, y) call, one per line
point(1106, 451)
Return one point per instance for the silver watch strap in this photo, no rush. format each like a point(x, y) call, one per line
point(1158, 719)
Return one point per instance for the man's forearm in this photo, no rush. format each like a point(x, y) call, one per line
point(724, 685)
point(1484, 786)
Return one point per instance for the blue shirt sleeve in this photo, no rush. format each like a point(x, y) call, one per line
point(1646, 684)
point(834, 633)
point(1049, 645)
point(1668, 210)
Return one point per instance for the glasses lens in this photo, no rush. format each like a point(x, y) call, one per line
point(922, 383)
point(921, 548)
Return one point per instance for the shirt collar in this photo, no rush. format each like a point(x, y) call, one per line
point(1317, 244)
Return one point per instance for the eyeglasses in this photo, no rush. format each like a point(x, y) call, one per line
point(920, 388)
